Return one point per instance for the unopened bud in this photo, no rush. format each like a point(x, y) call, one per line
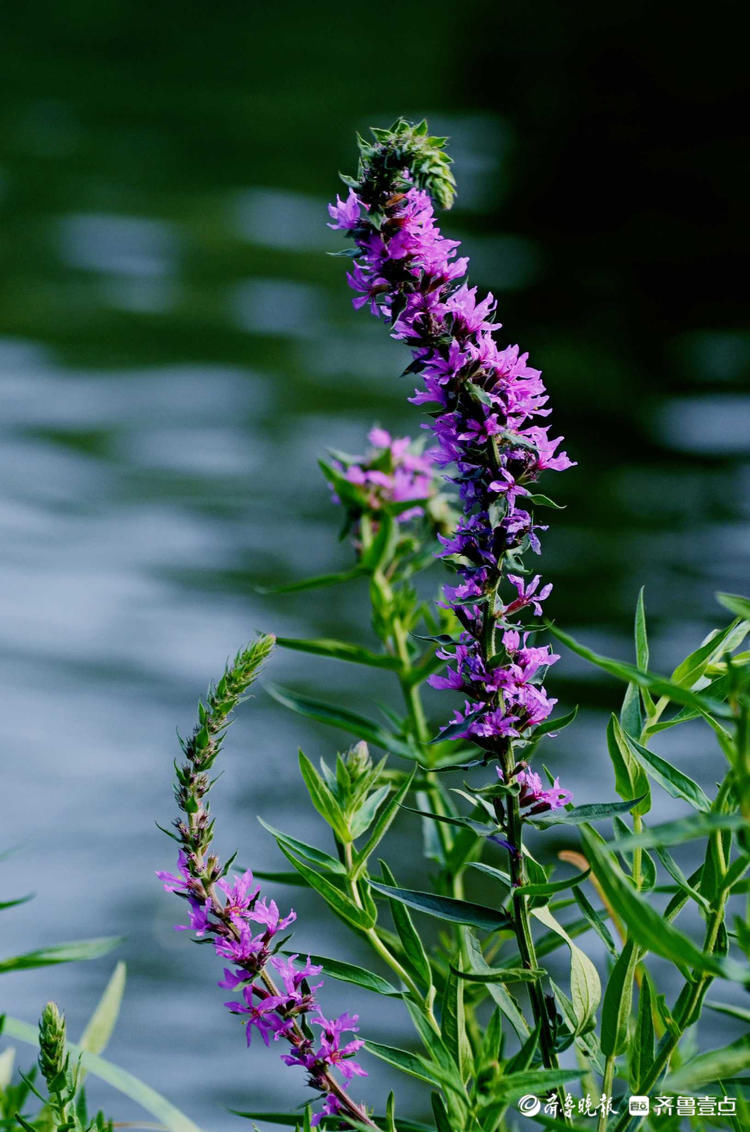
point(357, 759)
point(51, 1042)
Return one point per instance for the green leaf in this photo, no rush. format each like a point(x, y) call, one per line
point(14, 903)
point(551, 887)
point(345, 720)
point(340, 650)
point(642, 1047)
point(632, 717)
point(447, 908)
point(594, 811)
point(503, 998)
point(62, 953)
point(541, 1081)
point(544, 501)
point(740, 1012)
point(641, 636)
point(280, 877)
point(334, 897)
point(676, 832)
point(554, 725)
point(713, 648)
point(120, 1079)
point(500, 975)
point(585, 987)
point(736, 604)
point(349, 973)
point(452, 1021)
point(409, 1063)
point(647, 926)
point(442, 1122)
point(414, 952)
point(323, 799)
point(633, 675)
point(382, 546)
point(596, 921)
point(319, 582)
point(676, 783)
point(709, 1067)
point(102, 1022)
point(630, 778)
point(617, 1002)
point(307, 852)
point(361, 820)
point(382, 825)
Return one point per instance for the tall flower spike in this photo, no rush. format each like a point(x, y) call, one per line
point(486, 400)
point(241, 924)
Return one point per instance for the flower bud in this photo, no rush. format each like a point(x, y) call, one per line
point(358, 760)
point(51, 1042)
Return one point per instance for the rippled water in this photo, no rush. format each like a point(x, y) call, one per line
point(174, 359)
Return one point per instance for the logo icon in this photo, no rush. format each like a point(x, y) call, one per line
point(529, 1105)
point(639, 1106)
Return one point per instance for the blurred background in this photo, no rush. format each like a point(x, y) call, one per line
point(176, 350)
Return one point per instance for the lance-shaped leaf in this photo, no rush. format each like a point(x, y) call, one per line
point(706, 1068)
point(339, 901)
point(642, 1047)
point(617, 1002)
point(102, 1022)
point(382, 825)
point(713, 648)
point(554, 725)
point(674, 781)
point(577, 815)
point(345, 720)
point(736, 604)
point(500, 975)
point(585, 988)
point(359, 976)
point(316, 583)
point(415, 956)
point(410, 1063)
point(447, 908)
point(502, 997)
point(648, 927)
point(541, 1081)
point(676, 832)
point(630, 777)
point(633, 675)
point(552, 886)
point(341, 650)
point(307, 852)
point(62, 953)
point(323, 799)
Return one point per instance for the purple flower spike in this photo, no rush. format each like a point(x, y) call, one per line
point(487, 407)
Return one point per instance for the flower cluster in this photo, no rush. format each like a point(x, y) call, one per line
point(486, 402)
point(276, 994)
point(394, 474)
point(242, 925)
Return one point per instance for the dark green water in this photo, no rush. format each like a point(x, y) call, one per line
point(176, 350)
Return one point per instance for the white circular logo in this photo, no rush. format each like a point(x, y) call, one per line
point(529, 1105)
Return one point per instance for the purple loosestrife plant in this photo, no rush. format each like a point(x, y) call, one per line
point(277, 997)
point(487, 401)
point(492, 1029)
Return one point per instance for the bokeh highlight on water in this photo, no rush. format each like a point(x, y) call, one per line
point(176, 352)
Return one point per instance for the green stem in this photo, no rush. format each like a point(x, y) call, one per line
point(522, 925)
point(384, 952)
point(607, 1081)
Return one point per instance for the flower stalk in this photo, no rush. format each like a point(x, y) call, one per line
point(231, 912)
